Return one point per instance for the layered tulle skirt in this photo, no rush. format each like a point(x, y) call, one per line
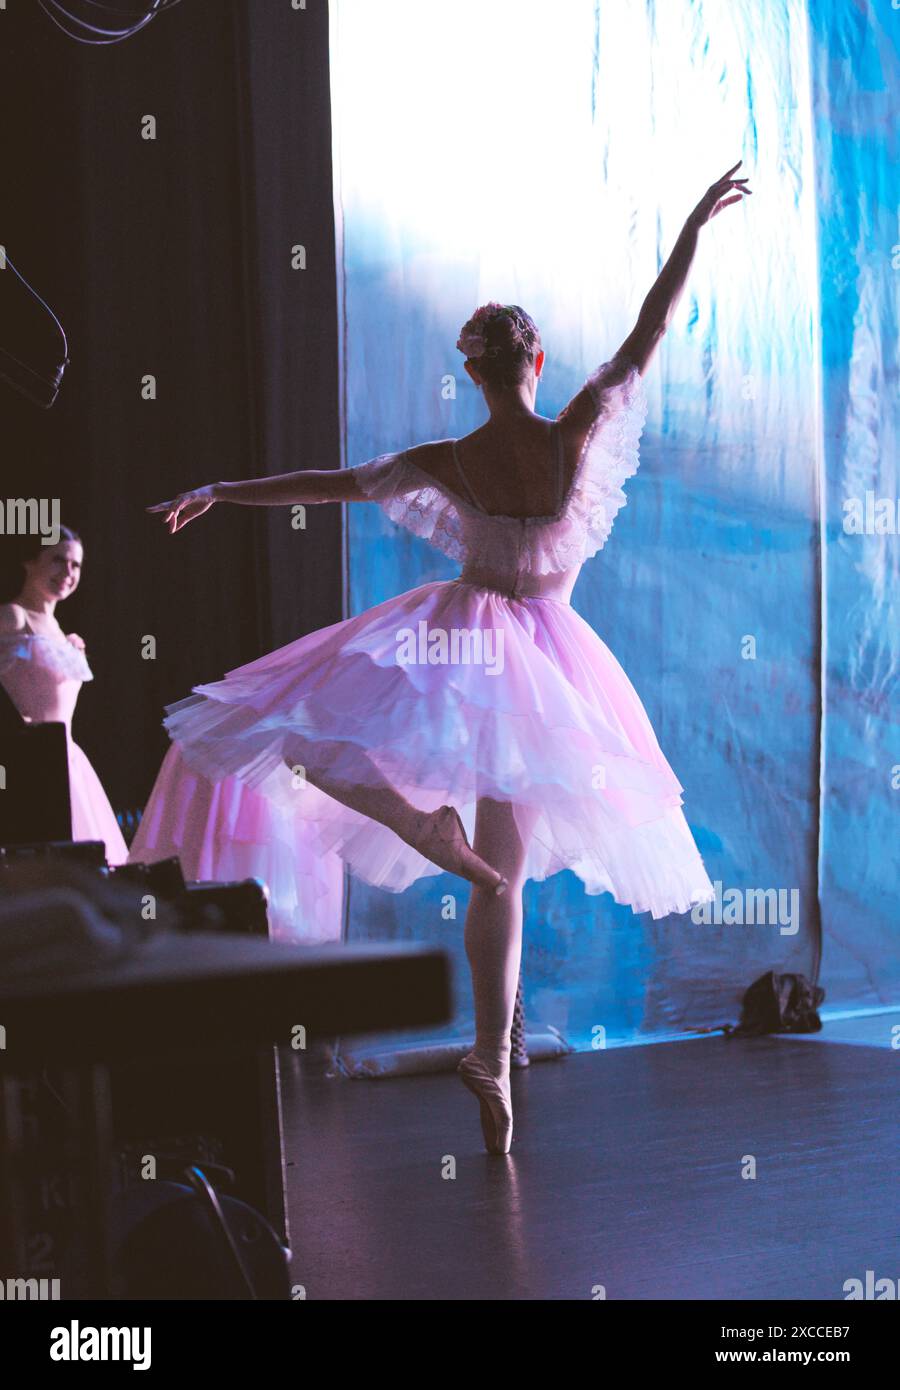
point(448, 693)
point(93, 818)
point(222, 831)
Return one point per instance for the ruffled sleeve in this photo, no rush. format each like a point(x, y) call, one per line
point(413, 500)
point(610, 452)
point(53, 654)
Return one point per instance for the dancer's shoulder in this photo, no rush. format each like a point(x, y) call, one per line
point(403, 471)
point(608, 389)
point(434, 460)
point(12, 617)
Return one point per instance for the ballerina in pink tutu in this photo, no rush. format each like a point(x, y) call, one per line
point(476, 725)
point(43, 669)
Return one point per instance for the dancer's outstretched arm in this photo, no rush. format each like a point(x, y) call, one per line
point(659, 306)
point(308, 486)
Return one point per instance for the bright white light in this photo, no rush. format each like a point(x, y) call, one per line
point(548, 154)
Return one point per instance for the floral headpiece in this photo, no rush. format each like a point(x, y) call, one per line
point(471, 340)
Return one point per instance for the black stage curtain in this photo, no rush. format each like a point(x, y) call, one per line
point(172, 257)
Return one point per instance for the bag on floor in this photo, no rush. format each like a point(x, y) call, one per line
point(778, 1004)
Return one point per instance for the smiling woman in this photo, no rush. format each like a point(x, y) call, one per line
point(42, 669)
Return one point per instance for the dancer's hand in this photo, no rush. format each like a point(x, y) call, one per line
point(714, 199)
point(76, 641)
point(186, 506)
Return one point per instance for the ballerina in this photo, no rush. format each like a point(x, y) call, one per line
point(43, 669)
point(482, 704)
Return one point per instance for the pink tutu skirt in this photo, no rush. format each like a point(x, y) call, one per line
point(222, 831)
point(450, 692)
point(93, 818)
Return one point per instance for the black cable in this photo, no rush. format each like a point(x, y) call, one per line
point(108, 35)
point(38, 386)
point(95, 35)
point(46, 306)
point(201, 1184)
point(113, 9)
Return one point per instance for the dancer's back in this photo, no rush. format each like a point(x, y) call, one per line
point(521, 504)
point(510, 462)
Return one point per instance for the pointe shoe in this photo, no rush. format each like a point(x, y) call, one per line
point(494, 1100)
point(441, 837)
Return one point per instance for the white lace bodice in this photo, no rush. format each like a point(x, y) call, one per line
point(536, 556)
point(42, 674)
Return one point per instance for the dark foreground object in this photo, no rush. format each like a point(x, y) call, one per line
point(170, 1039)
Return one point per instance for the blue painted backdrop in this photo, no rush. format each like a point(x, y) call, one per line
point(548, 156)
point(855, 65)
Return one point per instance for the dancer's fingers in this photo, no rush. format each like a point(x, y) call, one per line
point(724, 204)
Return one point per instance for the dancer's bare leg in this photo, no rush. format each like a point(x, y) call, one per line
point(376, 798)
point(493, 929)
point(434, 834)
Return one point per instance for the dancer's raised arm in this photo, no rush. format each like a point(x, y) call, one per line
point(659, 306)
point(307, 487)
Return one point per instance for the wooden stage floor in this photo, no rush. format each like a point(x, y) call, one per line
point(627, 1171)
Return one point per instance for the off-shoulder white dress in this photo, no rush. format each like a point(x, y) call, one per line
point(43, 674)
